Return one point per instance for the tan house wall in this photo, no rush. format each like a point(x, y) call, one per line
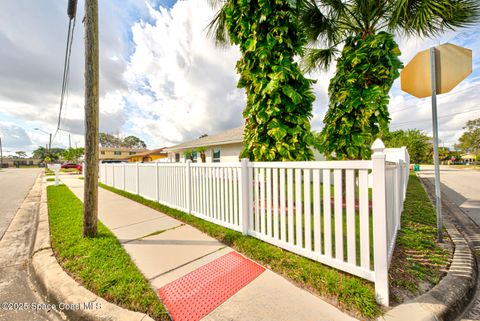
point(109, 153)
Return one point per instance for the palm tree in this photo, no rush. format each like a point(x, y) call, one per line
point(368, 63)
point(279, 97)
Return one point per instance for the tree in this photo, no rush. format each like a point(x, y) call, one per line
point(417, 142)
point(133, 142)
point(368, 63)
point(279, 97)
point(188, 154)
point(73, 154)
point(21, 154)
point(469, 142)
point(201, 151)
point(108, 140)
point(40, 153)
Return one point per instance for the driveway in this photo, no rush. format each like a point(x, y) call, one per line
point(461, 186)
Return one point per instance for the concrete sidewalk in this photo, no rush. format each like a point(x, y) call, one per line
point(165, 249)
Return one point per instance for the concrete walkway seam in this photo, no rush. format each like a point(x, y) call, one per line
point(60, 288)
point(452, 294)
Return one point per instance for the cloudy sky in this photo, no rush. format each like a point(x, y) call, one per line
point(162, 79)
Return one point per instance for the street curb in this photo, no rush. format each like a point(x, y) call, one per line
point(64, 291)
point(451, 296)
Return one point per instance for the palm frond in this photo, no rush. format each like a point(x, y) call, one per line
point(432, 17)
point(318, 27)
point(318, 59)
point(217, 29)
point(216, 4)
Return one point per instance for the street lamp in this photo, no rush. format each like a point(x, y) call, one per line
point(49, 141)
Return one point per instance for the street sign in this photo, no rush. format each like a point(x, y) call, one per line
point(453, 64)
point(436, 71)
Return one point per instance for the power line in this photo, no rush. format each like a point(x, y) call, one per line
point(441, 97)
point(71, 11)
point(427, 119)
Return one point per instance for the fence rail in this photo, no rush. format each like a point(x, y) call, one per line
point(344, 214)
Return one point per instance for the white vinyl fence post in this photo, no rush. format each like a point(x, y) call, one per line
point(244, 205)
point(157, 188)
point(380, 242)
point(137, 176)
point(124, 177)
point(188, 180)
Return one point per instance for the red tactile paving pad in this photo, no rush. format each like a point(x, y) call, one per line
point(196, 294)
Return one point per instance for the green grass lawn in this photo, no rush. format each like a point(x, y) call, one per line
point(50, 179)
point(419, 262)
point(100, 264)
point(350, 293)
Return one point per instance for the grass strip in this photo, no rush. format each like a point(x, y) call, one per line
point(418, 262)
point(100, 264)
point(51, 179)
point(350, 293)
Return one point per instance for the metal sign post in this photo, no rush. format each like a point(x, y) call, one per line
point(433, 72)
point(438, 191)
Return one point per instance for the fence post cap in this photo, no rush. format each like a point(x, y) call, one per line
point(188, 161)
point(378, 147)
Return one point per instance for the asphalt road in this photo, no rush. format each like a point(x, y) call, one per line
point(461, 186)
point(18, 292)
point(14, 186)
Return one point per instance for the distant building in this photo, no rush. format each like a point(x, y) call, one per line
point(9, 161)
point(118, 153)
point(154, 155)
point(222, 147)
point(469, 159)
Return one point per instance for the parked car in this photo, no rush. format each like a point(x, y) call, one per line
point(68, 166)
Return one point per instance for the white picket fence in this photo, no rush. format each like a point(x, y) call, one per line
point(325, 211)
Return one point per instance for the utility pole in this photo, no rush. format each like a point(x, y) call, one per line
point(69, 140)
point(50, 143)
point(90, 212)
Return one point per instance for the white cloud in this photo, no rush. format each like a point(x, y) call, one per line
point(14, 138)
point(181, 84)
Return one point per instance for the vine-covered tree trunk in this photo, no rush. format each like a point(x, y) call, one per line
point(279, 97)
point(358, 93)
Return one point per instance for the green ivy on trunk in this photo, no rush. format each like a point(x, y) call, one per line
point(358, 109)
point(279, 97)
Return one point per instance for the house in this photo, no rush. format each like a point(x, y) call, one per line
point(155, 155)
point(117, 153)
point(222, 147)
point(469, 158)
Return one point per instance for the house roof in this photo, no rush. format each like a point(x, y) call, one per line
point(158, 151)
point(230, 136)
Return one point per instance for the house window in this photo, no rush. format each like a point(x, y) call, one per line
point(216, 155)
point(194, 157)
point(131, 153)
point(102, 152)
point(117, 152)
point(177, 157)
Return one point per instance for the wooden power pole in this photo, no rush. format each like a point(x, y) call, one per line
point(90, 212)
